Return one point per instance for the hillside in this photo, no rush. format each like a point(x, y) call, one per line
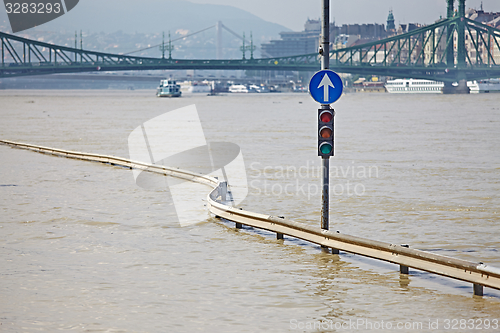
point(147, 19)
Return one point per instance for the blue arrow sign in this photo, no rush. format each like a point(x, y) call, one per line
point(326, 86)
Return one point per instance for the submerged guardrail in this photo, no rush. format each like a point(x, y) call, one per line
point(479, 274)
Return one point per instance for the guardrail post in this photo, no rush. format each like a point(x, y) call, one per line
point(404, 269)
point(223, 190)
point(280, 235)
point(478, 290)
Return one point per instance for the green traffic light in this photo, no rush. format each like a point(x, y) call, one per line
point(325, 148)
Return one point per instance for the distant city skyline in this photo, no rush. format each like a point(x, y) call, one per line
point(293, 13)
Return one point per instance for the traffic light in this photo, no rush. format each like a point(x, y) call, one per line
point(325, 132)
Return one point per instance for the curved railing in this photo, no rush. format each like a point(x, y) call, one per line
point(477, 273)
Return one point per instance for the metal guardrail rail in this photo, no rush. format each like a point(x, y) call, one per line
point(477, 273)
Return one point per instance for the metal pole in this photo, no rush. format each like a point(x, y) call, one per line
point(325, 63)
point(325, 196)
point(325, 35)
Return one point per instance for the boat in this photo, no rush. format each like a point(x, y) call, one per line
point(253, 88)
point(484, 86)
point(414, 86)
point(200, 88)
point(168, 88)
point(195, 87)
point(238, 88)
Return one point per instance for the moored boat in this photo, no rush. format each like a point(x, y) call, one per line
point(168, 88)
point(414, 86)
point(238, 88)
point(484, 86)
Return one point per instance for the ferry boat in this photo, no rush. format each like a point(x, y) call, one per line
point(168, 88)
point(413, 86)
point(484, 86)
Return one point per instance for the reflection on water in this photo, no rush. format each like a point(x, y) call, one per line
point(84, 248)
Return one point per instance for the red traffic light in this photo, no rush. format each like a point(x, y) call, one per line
point(326, 116)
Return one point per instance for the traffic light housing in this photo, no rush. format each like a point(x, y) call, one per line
point(325, 132)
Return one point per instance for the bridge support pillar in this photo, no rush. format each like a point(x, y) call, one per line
point(461, 88)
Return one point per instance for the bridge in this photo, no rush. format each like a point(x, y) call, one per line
point(454, 49)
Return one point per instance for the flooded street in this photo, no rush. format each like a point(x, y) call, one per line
point(84, 248)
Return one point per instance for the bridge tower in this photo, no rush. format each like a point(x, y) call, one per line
point(461, 52)
point(450, 57)
point(460, 62)
point(218, 40)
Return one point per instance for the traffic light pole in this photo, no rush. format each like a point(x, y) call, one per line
point(325, 63)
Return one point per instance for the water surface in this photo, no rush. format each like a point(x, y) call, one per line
point(83, 248)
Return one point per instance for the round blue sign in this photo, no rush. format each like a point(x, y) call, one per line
point(326, 86)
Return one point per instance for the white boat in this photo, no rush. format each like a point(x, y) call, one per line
point(194, 87)
point(414, 86)
point(253, 88)
point(199, 88)
point(168, 88)
point(238, 88)
point(484, 86)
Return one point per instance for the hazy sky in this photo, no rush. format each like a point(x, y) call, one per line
point(293, 13)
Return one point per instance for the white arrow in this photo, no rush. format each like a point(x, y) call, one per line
point(326, 83)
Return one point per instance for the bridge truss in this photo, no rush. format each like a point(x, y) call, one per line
point(450, 50)
point(24, 57)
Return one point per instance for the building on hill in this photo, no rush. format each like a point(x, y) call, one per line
point(491, 19)
point(390, 22)
point(307, 41)
point(295, 43)
point(481, 54)
point(364, 31)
